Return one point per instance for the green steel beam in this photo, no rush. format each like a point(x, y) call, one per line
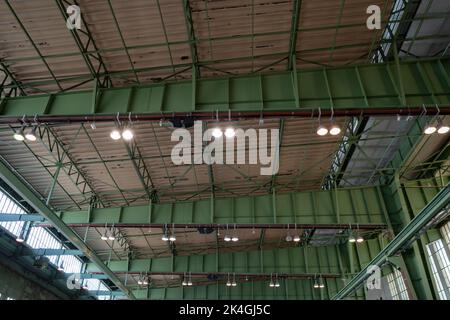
point(243, 93)
point(8, 175)
point(355, 205)
point(411, 231)
point(284, 261)
point(290, 289)
point(293, 34)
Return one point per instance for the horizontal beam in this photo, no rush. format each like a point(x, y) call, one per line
point(52, 252)
point(318, 208)
point(300, 260)
point(410, 232)
point(290, 289)
point(6, 217)
point(369, 89)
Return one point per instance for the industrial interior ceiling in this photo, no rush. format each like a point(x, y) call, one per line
point(139, 42)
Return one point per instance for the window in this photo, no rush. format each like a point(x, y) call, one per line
point(397, 286)
point(8, 206)
point(440, 267)
point(41, 238)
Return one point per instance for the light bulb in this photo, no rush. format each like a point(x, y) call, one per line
point(172, 238)
point(321, 131)
point(111, 238)
point(31, 136)
point(271, 284)
point(227, 238)
point(165, 237)
point(443, 129)
point(217, 133)
point(184, 283)
point(316, 285)
point(127, 134)
point(288, 238)
point(189, 283)
point(235, 239)
point(140, 282)
point(429, 129)
point(228, 284)
point(104, 237)
point(20, 239)
point(115, 134)
point(351, 239)
point(359, 239)
point(230, 133)
point(297, 238)
point(335, 130)
point(277, 284)
point(321, 285)
point(18, 135)
point(234, 284)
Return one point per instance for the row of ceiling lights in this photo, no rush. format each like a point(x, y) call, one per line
point(167, 235)
point(26, 133)
point(295, 238)
point(440, 129)
point(108, 234)
point(230, 237)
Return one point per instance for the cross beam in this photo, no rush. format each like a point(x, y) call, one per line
point(326, 208)
point(349, 93)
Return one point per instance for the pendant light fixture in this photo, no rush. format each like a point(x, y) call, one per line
point(234, 284)
point(228, 280)
point(227, 237)
point(235, 238)
point(172, 236)
point(104, 237)
point(19, 135)
point(297, 236)
point(165, 236)
point(321, 130)
point(111, 236)
point(288, 236)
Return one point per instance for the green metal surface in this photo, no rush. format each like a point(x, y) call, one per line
point(438, 203)
point(8, 175)
point(355, 205)
point(282, 261)
point(244, 93)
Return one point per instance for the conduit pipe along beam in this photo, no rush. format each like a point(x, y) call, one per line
point(425, 82)
point(8, 175)
point(412, 230)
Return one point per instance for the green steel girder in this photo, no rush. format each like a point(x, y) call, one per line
point(410, 231)
point(328, 207)
point(281, 261)
point(8, 175)
point(293, 34)
point(367, 88)
point(290, 289)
